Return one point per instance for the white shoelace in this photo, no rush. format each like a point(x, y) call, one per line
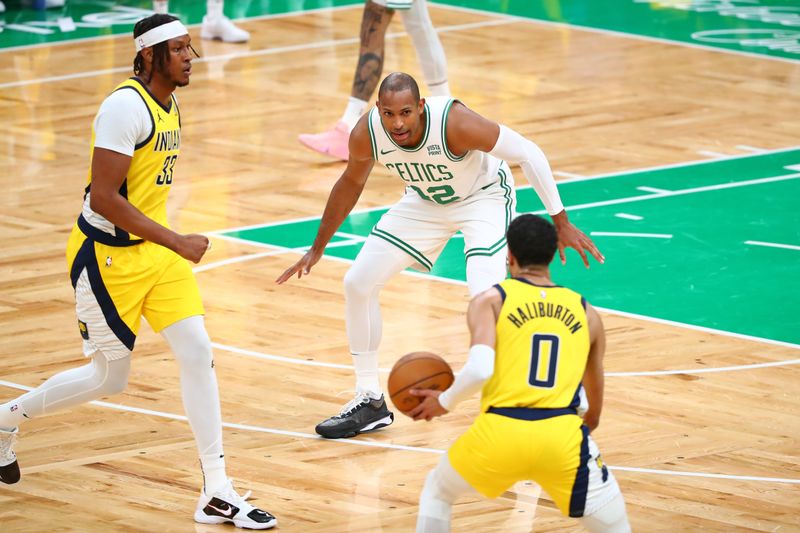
point(355, 402)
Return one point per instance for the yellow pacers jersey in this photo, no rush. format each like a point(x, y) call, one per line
point(541, 349)
point(150, 175)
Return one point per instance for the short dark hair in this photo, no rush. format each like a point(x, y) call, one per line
point(160, 50)
point(532, 240)
point(399, 81)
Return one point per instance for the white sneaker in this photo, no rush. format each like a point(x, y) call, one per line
point(225, 505)
point(224, 30)
point(9, 468)
point(2, 7)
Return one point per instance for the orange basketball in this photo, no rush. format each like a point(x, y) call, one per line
point(417, 370)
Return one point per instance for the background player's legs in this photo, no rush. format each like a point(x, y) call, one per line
point(377, 262)
point(374, 22)
point(611, 518)
point(215, 24)
point(429, 49)
point(442, 487)
point(485, 271)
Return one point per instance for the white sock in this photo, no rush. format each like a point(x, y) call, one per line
point(355, 108)
point(214, 9)
point(366, 364)
point(214, 476)
point(161, 6)
point(440, 89)
point(11, 415)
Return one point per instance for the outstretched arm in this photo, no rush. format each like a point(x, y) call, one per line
point(343, 197)
point(466, 130)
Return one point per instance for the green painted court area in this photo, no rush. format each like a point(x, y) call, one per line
point(693, 258)
point(765, 27)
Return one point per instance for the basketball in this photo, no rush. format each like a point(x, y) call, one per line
point(417, 370)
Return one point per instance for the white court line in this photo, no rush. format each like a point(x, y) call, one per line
point(709, 153)
point(629, 217)
point(653, 189)
point(392, 446)
point(128, 35)
point(253, 53)
point(703, 370)
point(754, 149)
point(625, 234)
point(568, 175)
point(706, 48)
point(773, 245)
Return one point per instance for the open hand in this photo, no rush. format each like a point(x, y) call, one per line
point(302, 267)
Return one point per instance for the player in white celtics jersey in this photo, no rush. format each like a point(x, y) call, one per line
point(452, 162)
point(125, 262)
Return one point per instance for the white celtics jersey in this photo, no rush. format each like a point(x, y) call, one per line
point(430, 169)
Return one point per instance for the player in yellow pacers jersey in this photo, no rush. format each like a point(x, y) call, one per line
point(125, 262)
point(532, 343)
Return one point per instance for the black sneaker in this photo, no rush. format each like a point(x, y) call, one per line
point(361, 414)
point(9, 468)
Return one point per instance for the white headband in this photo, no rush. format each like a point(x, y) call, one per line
point(159, 34)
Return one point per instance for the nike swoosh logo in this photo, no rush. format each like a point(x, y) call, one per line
point(229, 512)
point(387, 152)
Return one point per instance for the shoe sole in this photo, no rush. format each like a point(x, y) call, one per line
point(9, 474)
point(372, 426)
point(216, 520)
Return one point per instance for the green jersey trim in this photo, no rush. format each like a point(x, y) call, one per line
point(372, 140)
point(407, 248)
point(497, 246)
point(447, 151)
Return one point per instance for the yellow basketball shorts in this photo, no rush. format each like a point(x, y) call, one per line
point(116, 285)
point(557, 453)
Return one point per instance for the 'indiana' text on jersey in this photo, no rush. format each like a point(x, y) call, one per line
point(541, 349)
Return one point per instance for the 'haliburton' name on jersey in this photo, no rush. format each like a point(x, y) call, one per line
point(540, 310)
point(421, 172)
point(167, 140)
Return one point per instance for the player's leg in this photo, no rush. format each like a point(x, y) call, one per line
point(219, 502)
point(484, 223)
point(374, 23)
point(67, 389)
point(429, 49)
point(443, 487)
point(604, 510)
point(109, 346)
point(217, 26)
point(173, 308)
point(376, 263)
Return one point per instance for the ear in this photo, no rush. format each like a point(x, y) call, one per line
point(147, 55)
point(421, 105)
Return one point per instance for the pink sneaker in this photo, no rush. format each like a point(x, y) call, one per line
point(332, 142)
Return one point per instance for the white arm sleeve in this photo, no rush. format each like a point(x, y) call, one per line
point(122, 122)
point(478, 370)
point(514, 148)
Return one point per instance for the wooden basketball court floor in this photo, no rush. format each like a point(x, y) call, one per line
point(701, 427)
